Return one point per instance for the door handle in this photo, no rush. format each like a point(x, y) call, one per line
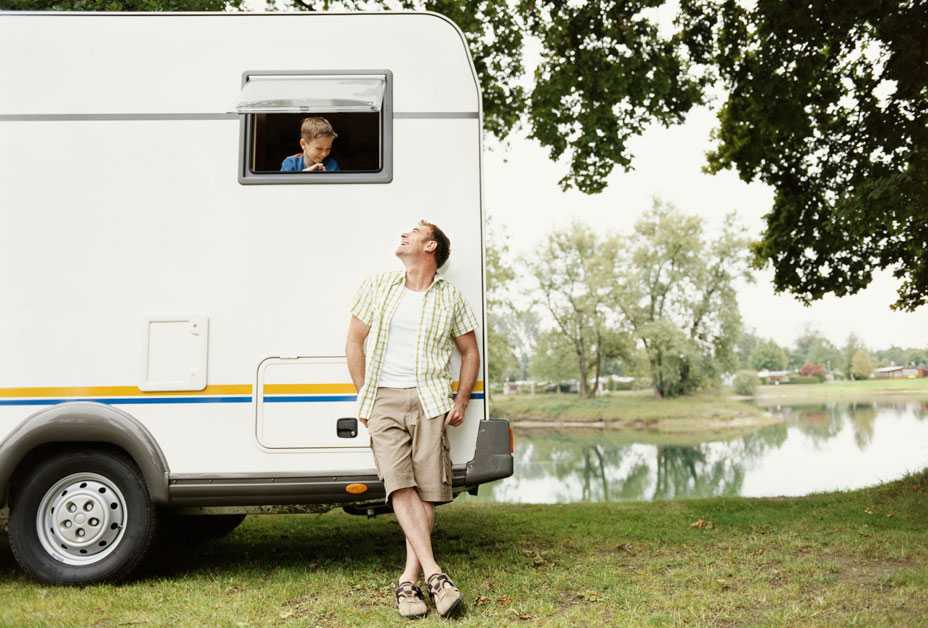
point(347, 428)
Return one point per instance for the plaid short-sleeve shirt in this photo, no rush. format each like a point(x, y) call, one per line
point(445, 315)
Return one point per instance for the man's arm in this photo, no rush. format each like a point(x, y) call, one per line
point(354, 352)
point(470, 364)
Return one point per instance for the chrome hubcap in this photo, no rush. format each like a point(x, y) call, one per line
point(81, 519)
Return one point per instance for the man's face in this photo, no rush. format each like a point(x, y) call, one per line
point(315, 150)
point(416, 241)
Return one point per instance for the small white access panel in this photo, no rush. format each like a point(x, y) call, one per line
point(307, 402)
point(176, 349)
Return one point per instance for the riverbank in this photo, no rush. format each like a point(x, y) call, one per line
point(632, 410)
point(709, 414)
point(866, 390)
point(831, 559)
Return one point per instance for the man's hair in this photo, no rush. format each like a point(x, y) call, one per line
point(316, 127)
point(443, 248)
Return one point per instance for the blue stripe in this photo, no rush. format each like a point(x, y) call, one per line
point(183, 400)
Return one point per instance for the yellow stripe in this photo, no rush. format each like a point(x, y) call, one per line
point(309, 389)
point(478, 386)
point(118, 391)
point(216, 389)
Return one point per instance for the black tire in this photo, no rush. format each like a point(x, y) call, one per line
point(125, 554)
point(194, 529)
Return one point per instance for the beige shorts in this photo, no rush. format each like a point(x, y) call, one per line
point(410, 449)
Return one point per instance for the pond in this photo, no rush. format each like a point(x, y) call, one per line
point(815, 448)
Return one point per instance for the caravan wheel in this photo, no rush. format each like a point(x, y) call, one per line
point(81, 517)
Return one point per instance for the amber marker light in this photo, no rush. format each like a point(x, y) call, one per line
point(512, 441)
point(356, 489)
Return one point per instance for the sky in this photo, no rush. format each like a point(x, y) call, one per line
point(521, 195)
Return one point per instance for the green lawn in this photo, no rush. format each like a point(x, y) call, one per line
point(845, 391)
point(633, 409)
point(707, 412)
point(832, 559)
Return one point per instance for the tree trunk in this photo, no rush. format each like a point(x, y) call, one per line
point(599, 365)
point(584, 384)
point(658, 373)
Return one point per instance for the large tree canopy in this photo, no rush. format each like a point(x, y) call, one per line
point(826, 101)
point(828, 104)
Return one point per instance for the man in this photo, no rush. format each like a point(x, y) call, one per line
point(411, 321)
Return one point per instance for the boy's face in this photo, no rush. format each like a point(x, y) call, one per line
point(315, 150)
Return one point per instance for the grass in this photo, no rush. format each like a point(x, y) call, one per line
point(633, 410)
point(840, 558)
point(703, 413)
point(866, 390)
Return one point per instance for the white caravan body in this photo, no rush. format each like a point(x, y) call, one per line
point(166, 294)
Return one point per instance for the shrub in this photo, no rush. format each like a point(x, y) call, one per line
point(803, 379)
point(745, 382)
point(811, 369)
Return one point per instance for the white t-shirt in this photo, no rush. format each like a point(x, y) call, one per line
point(399, 360)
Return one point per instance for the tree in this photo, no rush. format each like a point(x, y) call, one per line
point(521, 327)
point(745, 346)
point(827, 104)
point(554, 359)
point(852, 345)
point(813, 346)
point(501, 358)
point(573, 271)
point(675, 292)
point(769, 356)
point(861, 365)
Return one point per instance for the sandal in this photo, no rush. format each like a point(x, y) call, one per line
point(409, 600)
point(445, 595)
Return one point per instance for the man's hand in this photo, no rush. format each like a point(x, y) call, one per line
point(315, 168)
point(363, 422)
point(455, 416)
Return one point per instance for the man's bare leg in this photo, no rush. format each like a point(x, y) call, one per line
point(411, 572)
point(413, 518)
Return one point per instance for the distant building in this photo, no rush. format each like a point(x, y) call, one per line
point(900, 372)
point(774, 377)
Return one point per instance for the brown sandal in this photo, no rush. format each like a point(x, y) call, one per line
point(410, 601)
point(445, 595)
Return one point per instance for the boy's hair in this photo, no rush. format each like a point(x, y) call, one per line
point(316, 127)
point(443, 248)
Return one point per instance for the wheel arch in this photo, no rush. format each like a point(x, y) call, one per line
point(80, 422)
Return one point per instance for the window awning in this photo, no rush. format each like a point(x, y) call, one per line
point(284, 93)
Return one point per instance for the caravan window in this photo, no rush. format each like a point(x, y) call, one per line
point(312, 128)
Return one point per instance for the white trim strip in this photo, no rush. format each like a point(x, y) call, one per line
point(142, 117)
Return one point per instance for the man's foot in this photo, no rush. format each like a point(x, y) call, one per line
point(446, 597)
point(409, 600)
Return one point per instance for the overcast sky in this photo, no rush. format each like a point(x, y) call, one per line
point(521, 194)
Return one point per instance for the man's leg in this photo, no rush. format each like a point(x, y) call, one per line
point(411, 572)
point(413, 517)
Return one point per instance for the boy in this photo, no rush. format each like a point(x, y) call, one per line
point(316, 138)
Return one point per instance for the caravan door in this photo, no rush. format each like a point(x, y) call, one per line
point(307, 402)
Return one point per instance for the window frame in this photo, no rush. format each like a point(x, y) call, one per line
point(246, 122)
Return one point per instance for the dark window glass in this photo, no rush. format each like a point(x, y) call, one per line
point(276, 136)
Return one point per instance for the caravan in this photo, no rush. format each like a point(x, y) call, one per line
point(175, 305)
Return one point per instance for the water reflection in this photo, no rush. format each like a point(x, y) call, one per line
point(816, 448)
